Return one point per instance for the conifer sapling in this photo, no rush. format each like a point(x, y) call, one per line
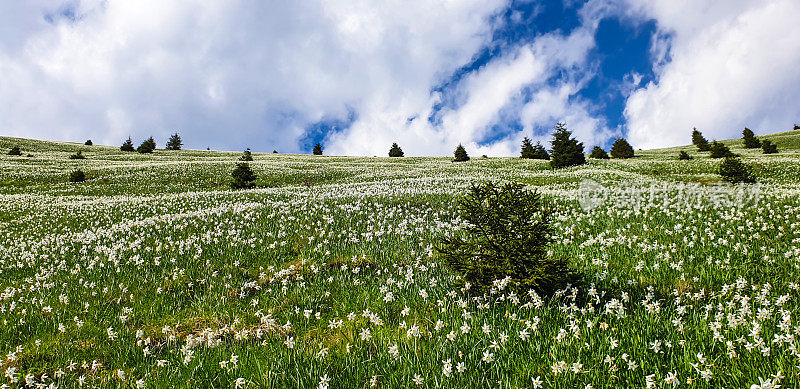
point(598, 153)
point(395, 151)
point(749, 139)
point(243, 176)
point(566, 150)
point(621, 149)
point(505, 242)
point(460, 154)
point(174, 142)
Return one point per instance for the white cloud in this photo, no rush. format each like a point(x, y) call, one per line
point(226, 73)
point(488, 96)
point(235, 74)
point(733, 64)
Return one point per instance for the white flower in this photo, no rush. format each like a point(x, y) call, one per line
point(672, 379)
point(487, 356)
point(394, 351)
point(447, 368)
point(324, 381)
point(451, 336)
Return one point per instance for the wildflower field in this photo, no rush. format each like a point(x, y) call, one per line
point(153, 273)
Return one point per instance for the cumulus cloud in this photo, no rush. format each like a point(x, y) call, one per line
point(259, 74)
point(720, 66)
point(228, 74)
point(496, 94)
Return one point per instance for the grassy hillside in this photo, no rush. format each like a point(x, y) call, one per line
point(153, 273)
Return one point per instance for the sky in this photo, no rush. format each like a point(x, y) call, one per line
point(358, 75)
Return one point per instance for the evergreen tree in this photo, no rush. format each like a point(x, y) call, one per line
point(598, 153)
point(77, 176)
point(684, 156)
point(768, 147)
point(246, 156)
point(395, 151)
point(274, 151)
point(460, 154)
point(127, 146)
point(243, 176)
point(566, 151)
point(719, 150)
point(78, 155)
point(621, 149)
point(317, 149)
point(88, 142)
point(699, 141)
point(733, 170)
point(539, 152)
point(527, 151)
point(174, 142)
point(508, 230)
point(796, 127)
point(147, 146)
point(749, 139)
point(15, 151)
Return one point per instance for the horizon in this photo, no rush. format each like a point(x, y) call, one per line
point(587, 150)
point(357, 77)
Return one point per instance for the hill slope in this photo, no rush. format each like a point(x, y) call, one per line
point(156, 274)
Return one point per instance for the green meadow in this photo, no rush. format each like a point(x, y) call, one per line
point(153, 273)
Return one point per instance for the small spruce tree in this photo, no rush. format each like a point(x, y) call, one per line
point(15, 151)
point(174, 142)
point(621, 149)
point(527, 151)
point(318, 149)
point(395, 151)
point(598, 153)
point(243, 176)
point(700, 141)
point(539, 152)
point(77, 176)
point(719, 150)
point(246, 156)
point(768, 147)
point(749, 139)
point(127, 145)
point(274, 151)
point(566, 151)
point(78, 155)
point(733, 170)
point(684, 156)
point(505, 242)
point(148, 146)
point(460, 154)
point(88, 142)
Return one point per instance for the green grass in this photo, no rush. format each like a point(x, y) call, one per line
point(154, 272)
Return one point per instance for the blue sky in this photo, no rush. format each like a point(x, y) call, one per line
point(358, 75)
